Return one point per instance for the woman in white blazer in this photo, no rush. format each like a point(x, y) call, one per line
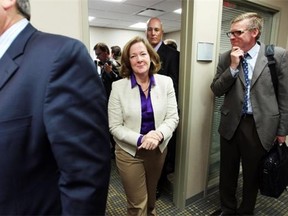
point(142, 114)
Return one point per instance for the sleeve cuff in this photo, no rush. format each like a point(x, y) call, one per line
point(235, 72)
point(139, 140)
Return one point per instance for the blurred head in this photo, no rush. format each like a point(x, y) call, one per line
point(139, 57)
point(171, 43)
point(245, 30)
point(23, 6)
point(102, 52)
point(154, 31)
point(116, 52)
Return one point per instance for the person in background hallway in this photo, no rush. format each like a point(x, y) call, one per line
point(248, 132)
point(169, 58)
point(108, 66)
point(54, 145)
point(142, 114)
point(116, 54)
point(109, 73)
point(171, 43)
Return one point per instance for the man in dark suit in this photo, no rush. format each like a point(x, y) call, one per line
point(248, 127)
point(170, 67)
point(54, 145)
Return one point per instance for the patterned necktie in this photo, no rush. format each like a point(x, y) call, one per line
point(247, 82)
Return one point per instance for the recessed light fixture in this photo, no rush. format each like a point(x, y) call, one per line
point(178, 11)
point(140, 25)
point(90, 18)
point(151, 12)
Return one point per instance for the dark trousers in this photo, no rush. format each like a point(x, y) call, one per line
point(246, 147)
point(169, 165)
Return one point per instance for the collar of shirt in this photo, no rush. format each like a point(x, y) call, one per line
point(7, 38)
point(253, 52)
point(134, 82)
point(158, 45)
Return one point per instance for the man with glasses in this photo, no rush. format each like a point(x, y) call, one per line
point(251, 117)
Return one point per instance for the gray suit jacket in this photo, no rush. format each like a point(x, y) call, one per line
point(271, 117)
point(124, 112)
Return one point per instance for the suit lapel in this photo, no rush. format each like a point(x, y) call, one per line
point(7, 68)
point(9, 62)
point(261, 63)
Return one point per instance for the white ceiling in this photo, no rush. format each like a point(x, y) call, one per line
point(122, 15)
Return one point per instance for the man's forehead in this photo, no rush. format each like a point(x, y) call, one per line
point(154, 23)
point(154, 27)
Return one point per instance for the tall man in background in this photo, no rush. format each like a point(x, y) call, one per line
point(170, 67)
point(54, 139)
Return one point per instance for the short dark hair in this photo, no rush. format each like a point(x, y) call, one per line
point(116, 50)
point(103, 47)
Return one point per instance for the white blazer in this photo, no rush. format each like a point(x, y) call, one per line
point(124, 112)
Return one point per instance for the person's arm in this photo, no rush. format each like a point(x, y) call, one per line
point(281, 57)
point(170, 122)
point(75, 117)
point(123, 110)
point(224, 79)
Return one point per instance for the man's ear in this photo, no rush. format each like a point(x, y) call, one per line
point(6, 4)
point(255, 32)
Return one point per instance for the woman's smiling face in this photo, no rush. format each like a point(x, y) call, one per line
point(139, 58)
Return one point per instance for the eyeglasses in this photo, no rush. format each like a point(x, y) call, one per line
point(236, 33)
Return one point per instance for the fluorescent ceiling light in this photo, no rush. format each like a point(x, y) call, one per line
point(90, 18)
point(178, 11)
point(114, 0)
point(140, 25)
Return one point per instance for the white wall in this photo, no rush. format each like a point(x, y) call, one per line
point(111, 37)
point(120, 37)
point(56, 16)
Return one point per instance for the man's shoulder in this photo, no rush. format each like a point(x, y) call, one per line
point(165, 52)
point(168, 49)
point(42, 38)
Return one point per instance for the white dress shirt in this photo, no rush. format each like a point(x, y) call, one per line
point(10, 34)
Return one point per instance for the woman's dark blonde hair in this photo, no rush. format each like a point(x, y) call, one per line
point(255, 21)
point(126, 69)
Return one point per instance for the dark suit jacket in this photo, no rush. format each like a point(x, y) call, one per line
point(169, 64)
point(108, 78)
point(271, 118)
point(54, 141)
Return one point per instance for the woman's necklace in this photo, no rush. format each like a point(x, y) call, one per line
point(147, 87)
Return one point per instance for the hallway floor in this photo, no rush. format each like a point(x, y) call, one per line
point(116, 204)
